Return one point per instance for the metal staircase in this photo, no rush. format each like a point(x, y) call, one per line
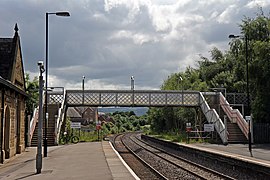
point(56, 110)
point(235, 135)
point(237, 126)
point(52, 110)
point(213, 117)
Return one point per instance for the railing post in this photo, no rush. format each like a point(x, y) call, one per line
point(166, 99)
point(132, 98)
point(226, 128)
point(99, 98)
point(251, 129)
point(182, 98)
point(55, 128)
point(28, 130)
point(116, 98)
point(149, 99)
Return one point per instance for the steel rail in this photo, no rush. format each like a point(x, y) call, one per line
point(195, 173)
point(153, 170)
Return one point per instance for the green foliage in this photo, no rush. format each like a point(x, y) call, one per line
point(32, 90)
point(89, 136)
point(156, 119)
point(146, 129)
point(124, 122)
point(257, 31)
point(259, 81)
point(229, 70)
point(172, 136)
point(124, 114)
point(84, 136)
point(224, 70)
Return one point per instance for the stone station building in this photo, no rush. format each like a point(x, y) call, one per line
point(12, 98)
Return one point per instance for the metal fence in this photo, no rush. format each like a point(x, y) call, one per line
point(237, 98)
point(261, 132)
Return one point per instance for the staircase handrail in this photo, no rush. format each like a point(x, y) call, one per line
point(34, 119)
point(60, 118)
point(234, 115)
point(33, 122)
point(213, 117)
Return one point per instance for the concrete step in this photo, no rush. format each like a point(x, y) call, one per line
point(235, 134)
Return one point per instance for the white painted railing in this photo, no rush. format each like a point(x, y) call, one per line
point(34, 119)
point(212, 117)
point(234, 115)
point(60, 118)
point(33, 122)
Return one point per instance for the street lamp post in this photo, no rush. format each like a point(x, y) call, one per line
point(46, 78)
point(247, 88)
point(247, 74)
point(132, 84)
point(182, 88)
point(132, 79)
point(83, 89)
point(40, 119)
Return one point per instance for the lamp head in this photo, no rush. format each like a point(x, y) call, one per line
point(231, 36)
point(41, 66)
point(40, 63)
point(62, 14)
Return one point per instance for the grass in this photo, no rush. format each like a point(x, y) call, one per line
point(171, 136)
point(91, 136)
point(177, 137)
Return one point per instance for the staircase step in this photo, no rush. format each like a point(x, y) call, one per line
point(235, 133)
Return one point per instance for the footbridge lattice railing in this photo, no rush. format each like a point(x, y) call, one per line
point(142, 98)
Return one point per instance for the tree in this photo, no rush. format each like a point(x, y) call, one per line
point(31, 89)
point(156, 119)
point(257, 30)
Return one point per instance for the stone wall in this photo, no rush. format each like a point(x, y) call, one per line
point(14, 119)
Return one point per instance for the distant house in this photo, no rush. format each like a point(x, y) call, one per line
point(85, 115)
point(12, 97)
point(104, 118)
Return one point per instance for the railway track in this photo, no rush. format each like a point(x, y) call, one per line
point(174, 161)
point(142, 169)
point(190, 166)
point(232, 167)
point(170, 165)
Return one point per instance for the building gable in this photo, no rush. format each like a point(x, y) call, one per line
point(18, 72)
point(11, 68)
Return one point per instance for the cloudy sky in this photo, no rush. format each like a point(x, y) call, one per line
point(108, 41)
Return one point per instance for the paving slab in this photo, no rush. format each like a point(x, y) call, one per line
point(74, 161)
point(259, 153)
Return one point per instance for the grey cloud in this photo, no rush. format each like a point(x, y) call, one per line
point(86, 43)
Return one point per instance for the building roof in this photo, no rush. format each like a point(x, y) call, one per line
point(78, 111)
point(11, 66)
point(71, 112)
point(12, 86)
point(6, 45)
point(7, 52)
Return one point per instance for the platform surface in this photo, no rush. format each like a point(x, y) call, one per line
point(93, 160)
point(260, 153)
